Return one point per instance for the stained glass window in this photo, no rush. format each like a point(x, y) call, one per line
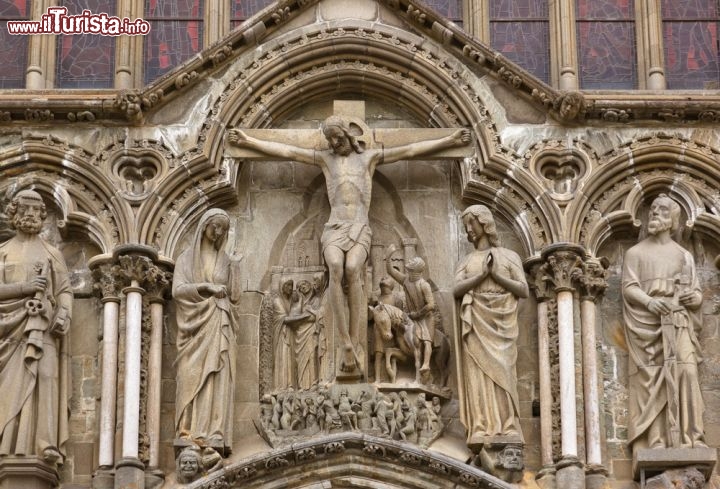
point(606, 44)
point(519, 29)
point(13, 49)
point(452, 9)
point(244, 9)
point(86, 60)
point(690, 31)
point(176, 34)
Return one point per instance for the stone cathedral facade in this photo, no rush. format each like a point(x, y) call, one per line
point(349, 244)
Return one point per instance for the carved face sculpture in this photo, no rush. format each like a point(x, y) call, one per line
point(287, 288)
point(188, 466)
point(415, 267)
point(663, 215)
point(29, 212)
point(216, 229)
point(304, 287)
point(511, 458)
point(338, 140)
point(386, 285)
point(473, 228)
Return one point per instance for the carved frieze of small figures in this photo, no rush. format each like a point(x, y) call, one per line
point(289, 416)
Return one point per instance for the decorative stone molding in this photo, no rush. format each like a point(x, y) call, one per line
point(327, 458)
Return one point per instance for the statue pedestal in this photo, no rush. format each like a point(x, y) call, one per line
point(27, 472)
point(652, 461)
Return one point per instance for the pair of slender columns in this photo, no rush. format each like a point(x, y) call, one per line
point(110, 280)
point(561, 270)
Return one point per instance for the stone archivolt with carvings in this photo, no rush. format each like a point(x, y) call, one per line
point(326, 458)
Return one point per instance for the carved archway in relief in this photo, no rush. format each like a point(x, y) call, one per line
point(360, 59)
point(613, 196)
point(65, 176)
point(349, 460)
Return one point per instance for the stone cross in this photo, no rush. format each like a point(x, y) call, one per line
point(348, 152)
point(313, 139)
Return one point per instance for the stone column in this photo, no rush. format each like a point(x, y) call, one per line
point(539, 282)
point(592, 283)
point(650, 44)
point(476, 19)
point(41, 53)
point(107, 286)
point(564, 260)
point(157, 283)
point(129, 49)
point(563, 40)
point(130, 470)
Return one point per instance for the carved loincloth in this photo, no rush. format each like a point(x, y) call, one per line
point(344, 235)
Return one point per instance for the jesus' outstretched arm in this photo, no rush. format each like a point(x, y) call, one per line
point(272, 148)
point(461, 137)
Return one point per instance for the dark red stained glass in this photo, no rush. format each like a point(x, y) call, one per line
point(606, 44)
point(519, 29)
point(244, 9)
point(690, 30)
point(451, 9)
point(86, 60)
point(176, 34)
point(13, 49)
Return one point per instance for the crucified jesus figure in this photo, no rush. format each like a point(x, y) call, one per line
point(348, 169)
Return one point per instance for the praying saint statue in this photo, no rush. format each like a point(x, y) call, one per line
point(348, 167)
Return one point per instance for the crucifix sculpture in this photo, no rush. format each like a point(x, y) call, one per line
point(348, 166)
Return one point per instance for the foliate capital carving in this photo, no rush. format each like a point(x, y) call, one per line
point(563, 265)
point(157, 283)
point(539, 279)
point(592, 282)
point(133, 268)
point(107, 283)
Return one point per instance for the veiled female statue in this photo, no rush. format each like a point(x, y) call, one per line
point(206, 290)
point(489, 281)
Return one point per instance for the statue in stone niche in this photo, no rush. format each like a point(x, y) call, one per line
point(348, 168)
point(35, 311)
point(661, 306)
point(283, 362)
point(303, 322)
point(420, 305)
point(489, 281)
point(206, 292)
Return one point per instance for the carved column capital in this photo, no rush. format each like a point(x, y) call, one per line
point(592, 282)
point(539, 279)
point(107, 283)
point(563, 265)
point(157, 283)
